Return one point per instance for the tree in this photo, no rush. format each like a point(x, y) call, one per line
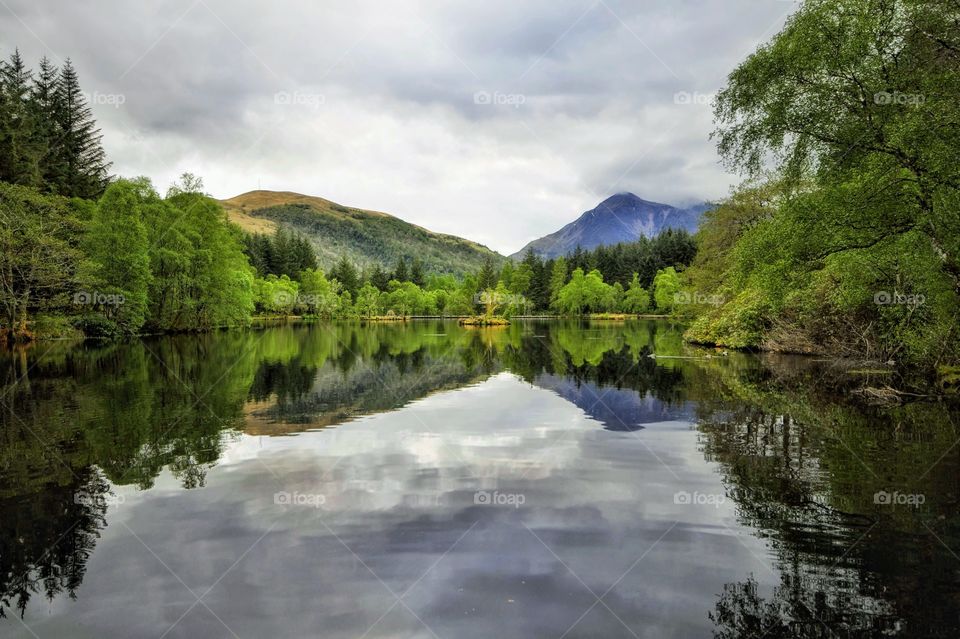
point(20, 150)
point(319, 294)
point(186, 183)
point(43, 113)
point(558, 277)
point(117, 247)
point(666, 286)
point(379, 278)
point(78, 162)
point(400, 273)
point(219, 289)
point(346, 273)
point(416, 273)
point(636, 299)
point(586, 293)
point(487, 278)
point(38, 261)
point(277, 295)
point(368, 301)
point(864, 97)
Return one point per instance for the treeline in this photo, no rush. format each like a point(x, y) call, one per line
point(850, 245)
point(635, 277)
point(48, 137)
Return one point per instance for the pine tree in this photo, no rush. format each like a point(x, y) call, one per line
point(43, 112)
point(79, 165)
point(488, 276)
point(379, 278)
point(19, 151)
point(416, 273)
point(346, 273)
point(400, 273)
point(304, 256)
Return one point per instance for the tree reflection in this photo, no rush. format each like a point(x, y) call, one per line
point(804, 473)
point(802, 467)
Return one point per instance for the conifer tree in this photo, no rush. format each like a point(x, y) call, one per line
point(19, 151)
point(79, 165)
point(400, 273)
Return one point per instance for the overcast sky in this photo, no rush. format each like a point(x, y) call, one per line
point(499, 121)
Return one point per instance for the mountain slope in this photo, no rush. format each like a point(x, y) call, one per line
point(623, 217)
point(364, 237)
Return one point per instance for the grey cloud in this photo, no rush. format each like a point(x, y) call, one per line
point(397, 126)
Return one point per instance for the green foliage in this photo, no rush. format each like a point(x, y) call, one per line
point(116, 245)
point(585, 293)
point(852, 247)
point(368, 301)
point(319, 294)
point(285, 253)
point(406, 298)
point(48, 137)
point(558, 277)
point(277, 295)
point(636, 299)
point(346, 273)
point(666, 286)
point(39, 258)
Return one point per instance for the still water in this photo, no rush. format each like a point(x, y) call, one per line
point(424, 480)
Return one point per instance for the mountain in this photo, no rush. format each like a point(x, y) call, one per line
point(623, 217)
point(364, 237)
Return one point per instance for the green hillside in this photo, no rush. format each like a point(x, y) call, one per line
point(364, 237)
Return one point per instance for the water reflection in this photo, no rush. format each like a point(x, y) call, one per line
point(404, 430)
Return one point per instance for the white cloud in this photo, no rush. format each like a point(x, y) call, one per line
point(582, 99)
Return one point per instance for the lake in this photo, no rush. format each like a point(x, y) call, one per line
point(548, 479)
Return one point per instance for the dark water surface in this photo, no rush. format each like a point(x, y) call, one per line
point(423, 480)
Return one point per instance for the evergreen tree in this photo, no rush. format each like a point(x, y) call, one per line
point(488, 277)
point(304, 256)
point(78, 163)
point(19, 148)
point(400, 273)
point(346, 273)
point(43, 112)
point(416, 273)
point(379, 278)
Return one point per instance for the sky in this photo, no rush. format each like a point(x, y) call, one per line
point(499, 121)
